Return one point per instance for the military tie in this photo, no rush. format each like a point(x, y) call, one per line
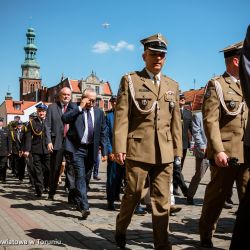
point(90, 127)
point(156, 82)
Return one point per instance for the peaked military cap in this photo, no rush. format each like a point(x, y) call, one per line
point(113, 98)
point(182, 96)
point(1, 119)
point(41, 106)
point(155, 42)
point(232, 50)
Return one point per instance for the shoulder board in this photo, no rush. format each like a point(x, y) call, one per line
point(216, 78)
point(130, 73)
point(170, 79)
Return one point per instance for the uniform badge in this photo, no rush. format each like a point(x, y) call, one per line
point(207, 94)
point(232, 104)
point(144, 102)
point(171, 104)
point(231, 92)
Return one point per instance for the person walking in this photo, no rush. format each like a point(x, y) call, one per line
point(147, 137)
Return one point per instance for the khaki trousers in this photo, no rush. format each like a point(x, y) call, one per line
point(217, 190)
point(160, 179)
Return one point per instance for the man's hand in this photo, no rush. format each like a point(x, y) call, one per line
point(111, 157)
point(221, 159)
point(50, 147)
point(26, 154)
point(120, 158)
point(83, 102)
point(104, 158)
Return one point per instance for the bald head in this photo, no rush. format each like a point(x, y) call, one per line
point(65, 95)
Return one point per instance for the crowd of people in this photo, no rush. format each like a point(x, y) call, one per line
point(144, 138)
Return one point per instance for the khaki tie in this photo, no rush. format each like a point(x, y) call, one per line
point(156, 82)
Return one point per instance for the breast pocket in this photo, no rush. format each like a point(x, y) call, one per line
point(170, 101)
point(232, 101)
point(145, 100)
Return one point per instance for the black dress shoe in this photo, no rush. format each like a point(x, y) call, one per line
point(190, 201)
point(85, 213)
point(51, 197)
point(120, 240)
point(207, 243)
point(111, 206)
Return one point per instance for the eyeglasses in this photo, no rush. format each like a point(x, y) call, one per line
point(92, 101)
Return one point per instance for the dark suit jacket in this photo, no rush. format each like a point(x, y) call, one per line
point(54, 125)
point(110, 126)
point(244, 70)
point(186, 128)
point(5, 142)
point(74, 117)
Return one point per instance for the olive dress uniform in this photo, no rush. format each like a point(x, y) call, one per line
point(5, 150)
point(35, 143)
point(225, 133)
point(150, 142)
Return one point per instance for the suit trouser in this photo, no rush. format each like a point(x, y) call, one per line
point(115, 174)
point(160, 178)
point(240, 238)
point(178, 179)
point(217, 190)
point(55, 167)
point(201, 166)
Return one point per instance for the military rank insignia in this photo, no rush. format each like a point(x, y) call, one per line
point(144, 102)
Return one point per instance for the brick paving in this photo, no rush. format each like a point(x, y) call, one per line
point(28, 223)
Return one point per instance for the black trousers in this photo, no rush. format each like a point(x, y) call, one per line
point(40, 166)
point(178, 180)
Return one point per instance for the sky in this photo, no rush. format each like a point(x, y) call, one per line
point(72, 41)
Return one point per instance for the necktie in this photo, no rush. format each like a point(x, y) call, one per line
point(156, 82)
point(65, 127)
point(90, 127)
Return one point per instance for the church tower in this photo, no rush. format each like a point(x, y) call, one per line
point(30, 81)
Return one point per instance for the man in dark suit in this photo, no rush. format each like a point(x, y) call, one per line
point(5, 149)
point(186, 120)
point(87, 132)
point(55, 134)
point(115, 172)
point(240, 238)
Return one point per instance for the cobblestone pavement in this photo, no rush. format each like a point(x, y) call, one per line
point(28, 223)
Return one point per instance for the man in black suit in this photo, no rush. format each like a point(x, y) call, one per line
point(186, 120)
point(87, 132)
point(55, 134)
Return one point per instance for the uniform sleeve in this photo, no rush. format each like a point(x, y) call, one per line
point(211, 118)
point(176, 127)
point(121, 120)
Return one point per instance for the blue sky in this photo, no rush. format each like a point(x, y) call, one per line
point(71, 39)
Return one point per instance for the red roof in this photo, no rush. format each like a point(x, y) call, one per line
point(107, 89)
point(74, 85)
point(195, 97)
point(10, 109)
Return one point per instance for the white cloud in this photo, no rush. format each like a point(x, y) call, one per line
point(102, 47)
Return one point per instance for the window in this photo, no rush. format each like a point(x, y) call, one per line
point(97, 90)
point(106, 104)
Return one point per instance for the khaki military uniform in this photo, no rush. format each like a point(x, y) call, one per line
point(150, 141)
point(224, 133)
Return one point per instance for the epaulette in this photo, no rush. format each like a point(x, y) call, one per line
point(216, 77)
point(170, 79)
point(130, 73)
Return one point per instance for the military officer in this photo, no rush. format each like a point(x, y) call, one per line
point(224, 117)
point(35, 143)
point(147, 135)
point(5, 149)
